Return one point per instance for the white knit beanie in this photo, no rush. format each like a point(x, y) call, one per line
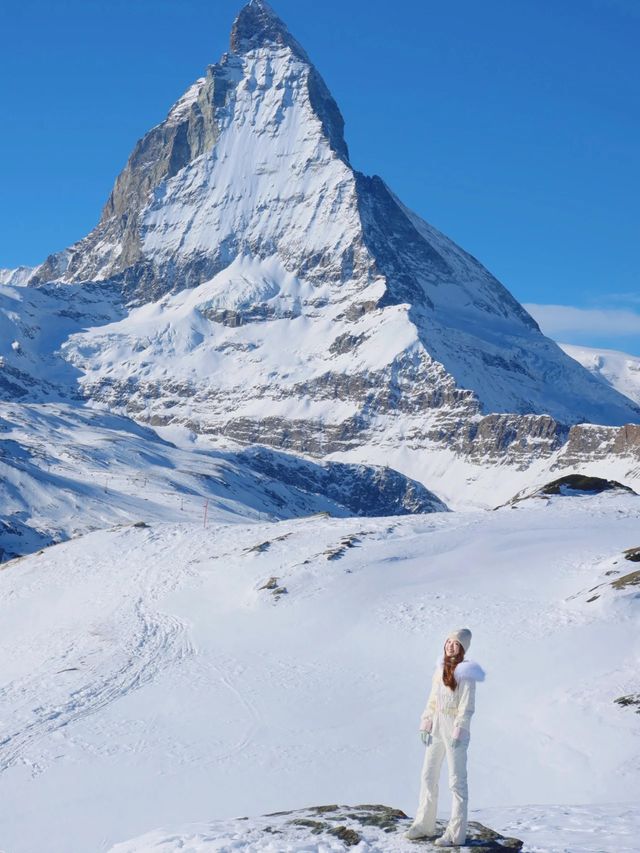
point(462, 636)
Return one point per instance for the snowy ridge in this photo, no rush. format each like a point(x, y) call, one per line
point(66, 470)
point(617, 369)
point(18, 276)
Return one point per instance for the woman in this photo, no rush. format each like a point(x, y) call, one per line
point(444, 728)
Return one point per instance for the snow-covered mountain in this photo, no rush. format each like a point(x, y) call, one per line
point(246, 284)
point(618, 369)
point(238, 224)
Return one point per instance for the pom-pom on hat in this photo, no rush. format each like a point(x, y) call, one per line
point(462, 636)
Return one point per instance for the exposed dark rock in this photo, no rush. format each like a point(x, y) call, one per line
point(572, 485)
point(345, 343)
point(340, 550)
point(631, 701)
point(260, 548)
point(362, 489)
point(350, 825)
point(316, 826)
point(358, 309)
point(274, 588)
point(401, 254)
point(381, 816)
point(349, 836)
point(632, 579)
point(253, 314)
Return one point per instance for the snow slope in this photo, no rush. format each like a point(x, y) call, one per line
point(152, 677)
point(34, 322)
point(618, 369)
point(66, 470)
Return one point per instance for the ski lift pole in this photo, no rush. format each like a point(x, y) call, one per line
point(206, 511)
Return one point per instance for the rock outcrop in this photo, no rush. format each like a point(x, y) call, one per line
point(339, 827)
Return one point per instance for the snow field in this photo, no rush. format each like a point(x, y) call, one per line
point(150, 681)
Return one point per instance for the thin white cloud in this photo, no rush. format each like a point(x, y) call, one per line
point(559, 321)
point(623, 298)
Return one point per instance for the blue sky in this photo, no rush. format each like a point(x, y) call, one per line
point(511, 125)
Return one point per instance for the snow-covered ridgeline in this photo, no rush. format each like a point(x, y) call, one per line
point(18, 276)
point(618, 369)
point(66, 470)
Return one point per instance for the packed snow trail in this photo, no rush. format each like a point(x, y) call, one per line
point(128, 647)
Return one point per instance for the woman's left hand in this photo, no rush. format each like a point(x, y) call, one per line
point(457, 737)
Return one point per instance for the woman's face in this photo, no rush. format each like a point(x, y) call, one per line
point(452, 648)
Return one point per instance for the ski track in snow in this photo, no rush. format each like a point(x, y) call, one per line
point(143, 642)
point(155, 642)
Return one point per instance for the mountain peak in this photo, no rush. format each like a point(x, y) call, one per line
point(258, 25)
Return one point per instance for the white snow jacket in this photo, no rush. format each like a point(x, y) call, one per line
point(459, 703)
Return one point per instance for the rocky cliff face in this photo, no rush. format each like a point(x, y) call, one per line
point(267, 292)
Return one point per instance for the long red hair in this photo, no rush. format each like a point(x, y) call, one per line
point(450, 663)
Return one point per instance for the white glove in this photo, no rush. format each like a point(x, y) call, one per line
point(458, 735)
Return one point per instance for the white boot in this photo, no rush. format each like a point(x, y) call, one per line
point(444, 841)
point(415, 831)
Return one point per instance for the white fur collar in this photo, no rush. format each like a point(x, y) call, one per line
point(466, 669)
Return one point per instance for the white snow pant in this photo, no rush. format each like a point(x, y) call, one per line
point(440, 746)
